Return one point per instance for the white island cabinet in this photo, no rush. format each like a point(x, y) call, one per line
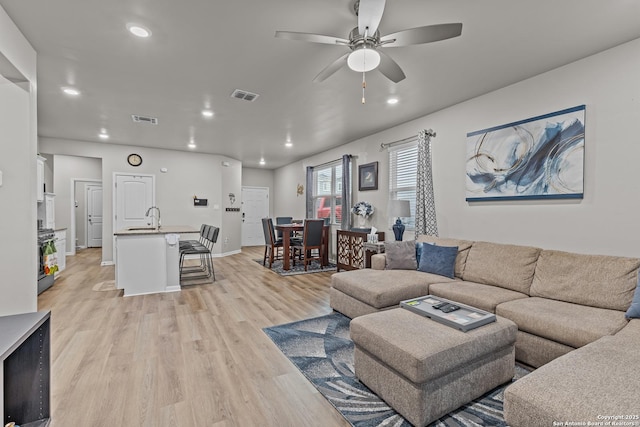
point(147, 260)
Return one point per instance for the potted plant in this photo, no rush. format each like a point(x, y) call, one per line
point(362, 210)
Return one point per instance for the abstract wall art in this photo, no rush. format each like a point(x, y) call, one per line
point(537, 158)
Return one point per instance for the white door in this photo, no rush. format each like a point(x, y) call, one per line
point(94, 216)
point(255, 206)
point(134, 195)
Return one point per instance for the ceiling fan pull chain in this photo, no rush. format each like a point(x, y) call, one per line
point(364, 86)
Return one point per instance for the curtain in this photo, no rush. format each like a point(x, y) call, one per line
point(309, 192)
point(425, 202)
point(345, 223)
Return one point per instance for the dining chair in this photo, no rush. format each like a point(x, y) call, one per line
point(311, 241)
point(282, 220)
point(272, 246)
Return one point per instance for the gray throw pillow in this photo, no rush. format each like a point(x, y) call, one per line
point(634, 310)
point(401, 255)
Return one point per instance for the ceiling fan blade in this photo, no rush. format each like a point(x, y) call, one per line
point(369, 15)
point(427, 34)
point(390, 68)
point(332, 68)
point(309, 37)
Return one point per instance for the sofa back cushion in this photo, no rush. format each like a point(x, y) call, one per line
point(506, 266)
point(463, 249)
point(593, 280)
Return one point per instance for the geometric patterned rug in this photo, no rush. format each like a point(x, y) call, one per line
point(322, 350)
point(313, 267)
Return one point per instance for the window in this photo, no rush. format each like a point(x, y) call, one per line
point(327, 192)
point(403, 164)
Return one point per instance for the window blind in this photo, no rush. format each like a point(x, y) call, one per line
point(403, 163)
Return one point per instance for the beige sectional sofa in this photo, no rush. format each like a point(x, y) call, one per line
point(560, 302)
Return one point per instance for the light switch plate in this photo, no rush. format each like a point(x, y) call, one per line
point(0, 178)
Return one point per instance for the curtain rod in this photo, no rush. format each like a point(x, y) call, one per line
point(329, 162)
point(430, 134)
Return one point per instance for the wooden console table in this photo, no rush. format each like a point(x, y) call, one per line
point(25, 360)
point(350, 252)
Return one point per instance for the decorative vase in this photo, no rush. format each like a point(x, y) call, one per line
point(398, 230)
point(362, 221)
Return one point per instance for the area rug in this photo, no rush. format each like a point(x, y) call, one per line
point(313, 267)
point(322, 350)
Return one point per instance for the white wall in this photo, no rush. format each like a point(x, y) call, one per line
point(18, 148)
point(252, 177)
point(603, 222)
point(188, 174)
point(65, 169)
point(230, 239)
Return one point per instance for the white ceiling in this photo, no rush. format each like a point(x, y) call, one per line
point(201, 50)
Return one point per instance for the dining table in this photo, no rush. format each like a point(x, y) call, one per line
point(287, 231)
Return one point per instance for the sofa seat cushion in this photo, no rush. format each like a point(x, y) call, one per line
point(484, 297)
point(596, 380)
point(571, 324)
point(508, 266)
point(383, 288)
point(593, 280)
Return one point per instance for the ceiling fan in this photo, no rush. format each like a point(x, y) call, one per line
point(365, 41)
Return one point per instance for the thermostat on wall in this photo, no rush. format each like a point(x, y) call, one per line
point(200, 202)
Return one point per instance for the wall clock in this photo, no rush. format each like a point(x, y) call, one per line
point(134, 159)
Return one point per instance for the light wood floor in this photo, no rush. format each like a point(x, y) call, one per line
point(193, 358)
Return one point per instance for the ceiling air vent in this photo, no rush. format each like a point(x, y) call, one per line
point(144, 119)
point(244, 95)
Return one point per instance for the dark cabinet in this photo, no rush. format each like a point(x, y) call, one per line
point(350, 252)
point(25, 356)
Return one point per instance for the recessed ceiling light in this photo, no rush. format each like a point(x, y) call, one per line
point(207, 113)
point(262, 162)
point(103, 135)
point(392, 101)
point(138, 30)
point(288, 144)
point(71, 91)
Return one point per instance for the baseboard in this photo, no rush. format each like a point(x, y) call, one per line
point(237, 251)
point(106, 263)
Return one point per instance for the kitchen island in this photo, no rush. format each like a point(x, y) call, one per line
point(148, 259)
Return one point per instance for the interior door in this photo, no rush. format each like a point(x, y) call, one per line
point(94, 216)
point(134, 194)
point(255, 206)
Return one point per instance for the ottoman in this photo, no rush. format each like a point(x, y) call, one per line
point(424, 369)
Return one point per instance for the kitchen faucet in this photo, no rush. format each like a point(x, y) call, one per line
point(157, 227)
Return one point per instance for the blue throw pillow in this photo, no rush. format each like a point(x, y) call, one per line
point(438, 259)
point(634, 310)
point(419, 250)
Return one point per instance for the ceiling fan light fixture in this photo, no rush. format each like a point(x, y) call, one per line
point(138, 30)
point(363, 60)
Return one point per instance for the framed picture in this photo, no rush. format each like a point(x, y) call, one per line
point(537, 158)
point(368, 176)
